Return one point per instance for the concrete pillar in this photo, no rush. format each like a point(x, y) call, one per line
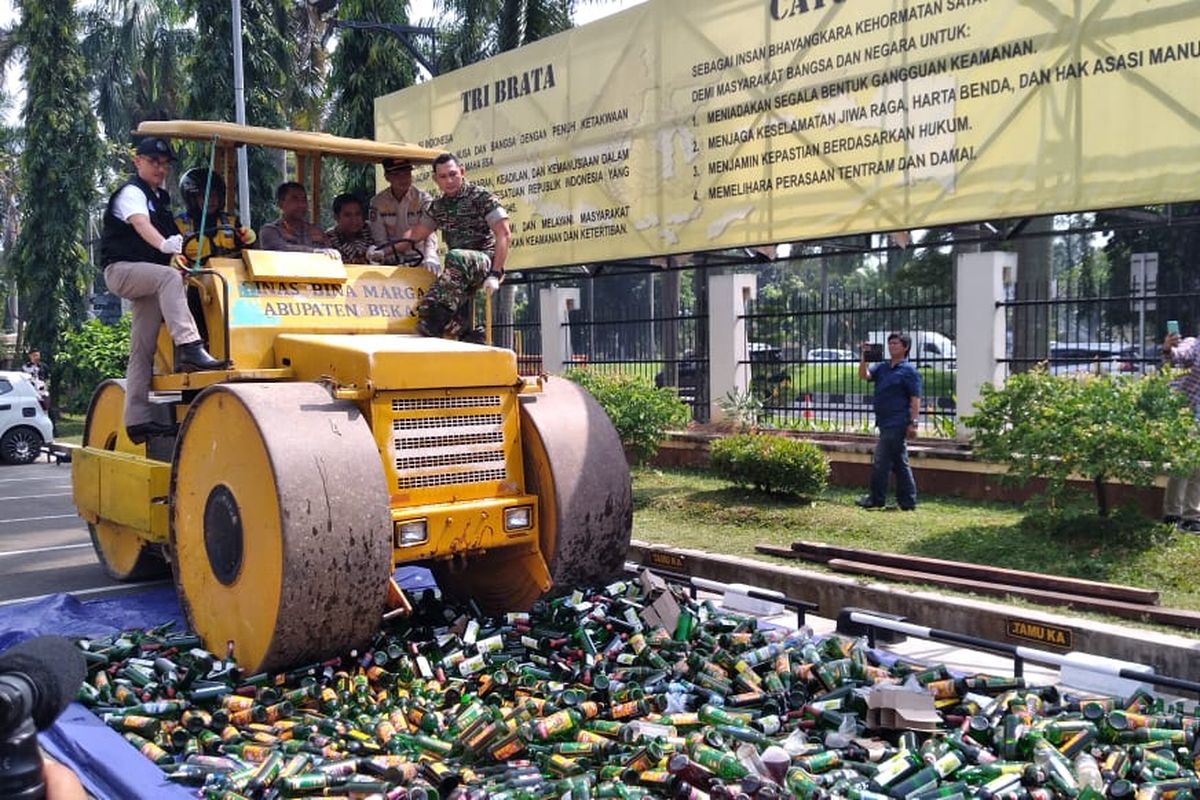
point(980, 325)
point(727, 299)
point(554, 304)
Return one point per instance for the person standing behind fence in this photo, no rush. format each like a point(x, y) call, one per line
point(1181, 499)
point(897, 404)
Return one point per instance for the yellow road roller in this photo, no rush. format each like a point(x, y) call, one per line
point(338, 444)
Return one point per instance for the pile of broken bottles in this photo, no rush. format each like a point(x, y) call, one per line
point(614, 693)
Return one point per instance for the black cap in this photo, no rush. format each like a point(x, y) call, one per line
point(396, 165)
point(155, 146)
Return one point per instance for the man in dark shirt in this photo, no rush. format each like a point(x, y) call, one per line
point(477, 234)
point(292, 231)
point(897, 404)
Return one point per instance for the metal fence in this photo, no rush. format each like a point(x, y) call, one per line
point(670, 349)
point(523, 333)
point(803, 349)
point(804, 352)
point(1071, 328)
point(621, 327)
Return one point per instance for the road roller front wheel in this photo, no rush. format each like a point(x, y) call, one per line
point(575, 464)
point(124, 554)
point(279, 524)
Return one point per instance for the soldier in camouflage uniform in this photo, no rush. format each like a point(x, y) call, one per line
point(475, 227)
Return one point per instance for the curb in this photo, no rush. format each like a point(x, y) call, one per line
point(1169, 654)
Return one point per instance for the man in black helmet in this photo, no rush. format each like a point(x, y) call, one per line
point(137, 243)
point(224, 233)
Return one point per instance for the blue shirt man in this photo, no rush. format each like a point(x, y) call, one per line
point(897, 405)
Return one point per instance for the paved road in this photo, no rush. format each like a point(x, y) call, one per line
point(44, 545)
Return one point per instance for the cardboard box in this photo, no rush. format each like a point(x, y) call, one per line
point(661, 609)
point(897, 708)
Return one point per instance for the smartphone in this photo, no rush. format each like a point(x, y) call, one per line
point(1173, 326)
point(875, 352)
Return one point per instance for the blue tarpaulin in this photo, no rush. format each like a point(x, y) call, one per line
point(108, 766)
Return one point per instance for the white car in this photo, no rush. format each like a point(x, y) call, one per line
point(24, 426)
point(1076, 358)
point(830, 354)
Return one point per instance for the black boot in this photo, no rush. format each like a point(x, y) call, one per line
point(192, 356)
point(432, 319)
point(476, 335)
point(142, 431)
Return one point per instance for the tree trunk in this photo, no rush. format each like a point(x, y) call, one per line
point(1101, 495)
point(1031, 327)
point(670, 326)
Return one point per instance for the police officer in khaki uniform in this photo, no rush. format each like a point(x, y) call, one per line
point(394, 211)
point(137, 242)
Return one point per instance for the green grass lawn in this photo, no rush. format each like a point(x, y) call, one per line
point(693, 509)
point(827, 378)
point(68, 428)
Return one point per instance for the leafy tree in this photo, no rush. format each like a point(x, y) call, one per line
point(1176, 246)
point(366, 64)
point(58, 173)
point(89, 355)
point(641, 412)
point(10, 159)
point(1102, 427)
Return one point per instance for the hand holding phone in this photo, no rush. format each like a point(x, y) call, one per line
point(1173, 327)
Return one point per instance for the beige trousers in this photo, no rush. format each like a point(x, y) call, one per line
point(157, 293)
point(1182, 497)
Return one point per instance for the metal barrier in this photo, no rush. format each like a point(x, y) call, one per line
point(695, 584)
point(1018, 653)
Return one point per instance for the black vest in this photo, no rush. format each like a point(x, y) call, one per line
point(120, 242)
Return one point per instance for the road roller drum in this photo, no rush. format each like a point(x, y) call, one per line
point(279, 523)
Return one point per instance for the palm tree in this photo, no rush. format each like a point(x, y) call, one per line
point(366, 64)
point(482, 28)
point(268, 57)
point(135, 54)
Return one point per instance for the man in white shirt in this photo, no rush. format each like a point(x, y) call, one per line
point(137, 243)
point(394, 211)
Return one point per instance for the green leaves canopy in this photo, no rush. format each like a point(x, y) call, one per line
point(1101, 427)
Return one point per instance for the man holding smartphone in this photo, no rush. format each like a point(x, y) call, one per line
point(897, 404)
point(1181, 500)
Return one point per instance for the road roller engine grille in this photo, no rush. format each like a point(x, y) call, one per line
point(449, 441)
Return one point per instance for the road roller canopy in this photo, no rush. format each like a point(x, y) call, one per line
point(303, 143)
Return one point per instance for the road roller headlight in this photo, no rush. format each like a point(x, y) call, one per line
point(518, 518)
point(410, 532)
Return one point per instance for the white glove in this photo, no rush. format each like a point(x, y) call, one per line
point(491, 284)
point(374, 255)
point(432, 266)
point(332, 252)
point(171, 245)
